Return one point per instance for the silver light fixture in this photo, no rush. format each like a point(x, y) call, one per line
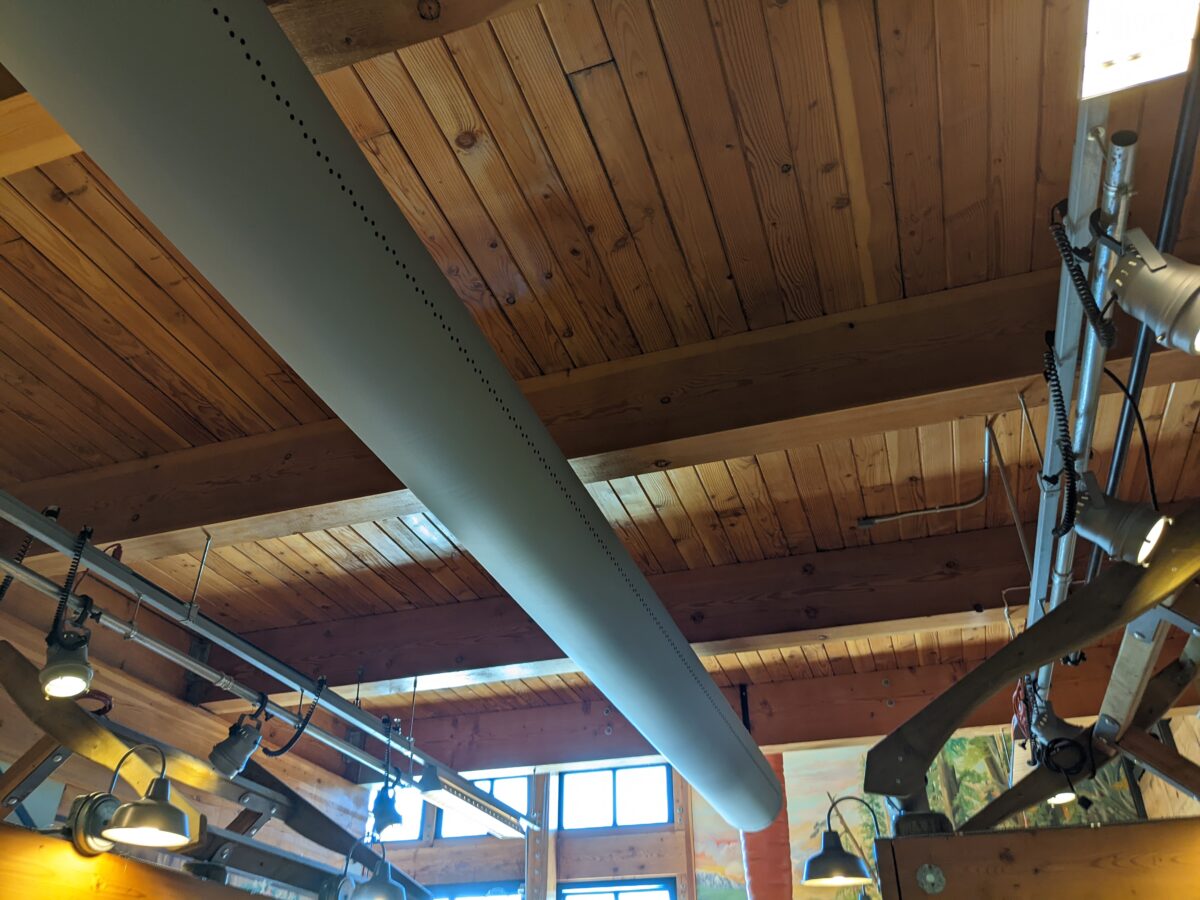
point(1125, 531)
point(231, 754)
point(153, 820)
point(1163, 292)
point(67, 672)
point(380, 886)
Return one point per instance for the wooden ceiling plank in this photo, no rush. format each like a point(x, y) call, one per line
point(910, 87)
point(904, 469)
point(631, 536)
point(382, 542)
point(1152, 404)
point(652, 100)
point(818, 660)
point(743, 43)
point(646, 519)
point(360, 578)
point(760, 509)
point(962, 60)
point(691, 53)
point(928, 652)
point(1062, 73)
point(577, 34)
point(1008, 428)
point(905, 647)
point(781, 487)
point(852, 43)
point(845, 489)
point(675, 518)
point(546, 90)
point(223, 601)
point(731, 512)
point(353, 104)
point(936, 444)
point(611, 280)
point(411, 543)
point(29, 136)
point(860, 655)
point(31, 449)
point(1016, 80)
point(883, 653)
point(838, 653)
point(1179, 422)
point(265, 377)
point(686, 482)
point(968, 461)
point(229, 415)
point(1189, 481)
point(813, 488)
point(407, 189)
point(606, 109)
point(323, 607)
point(797, 41)
point(392, 89)
point(229, 578)
point(462, 127)
point(314, 569)
point(1028, 486)
point(259, 580)
point(434, 536)
point(387, 569)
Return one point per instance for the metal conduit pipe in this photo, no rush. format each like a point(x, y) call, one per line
point(1179, 176)
point(1114, 211)
point(130, 632)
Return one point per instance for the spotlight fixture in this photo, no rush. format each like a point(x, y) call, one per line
point(1061, 798)
point(380, 885)
point(1125, 531)
point(833, 865)
point(383, 810)
point(231, 754)
point(67, 672)
point(447, 797)
point(1162, 292)
point(152, 821)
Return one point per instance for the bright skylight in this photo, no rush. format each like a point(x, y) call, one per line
point(1130, 42)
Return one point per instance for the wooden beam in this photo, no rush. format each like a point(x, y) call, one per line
point(952, 581)
point(1149, 753)
point(833, 709)
point(956, 354)
point(29, 136)
point(1144, 859)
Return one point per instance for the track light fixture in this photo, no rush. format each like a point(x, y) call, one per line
point(383, 810)
point(833, 865)
point(1162, 292)
point(231, 754)
point(67, 672)
point(446, 796)
point(1125, 531)
point(380, 885)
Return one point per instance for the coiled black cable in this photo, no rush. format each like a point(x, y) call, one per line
point(50, 512)
point(1105, 331)
point(312, 708)
point(64, 593)
point(1063, 439)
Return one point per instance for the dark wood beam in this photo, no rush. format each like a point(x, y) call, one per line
point(838, 708)
point(956, 354)
point(953, 581)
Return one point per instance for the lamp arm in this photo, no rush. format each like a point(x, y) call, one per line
point(162, 772)
point(366, 841)
point(870, 809)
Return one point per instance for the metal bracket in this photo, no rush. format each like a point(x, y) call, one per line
point(25, 775)
point(1144, 247)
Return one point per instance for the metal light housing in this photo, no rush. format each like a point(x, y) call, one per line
point(834, 866)
point(379, 886)
point(67, 672)
point(1125, 531)
point(152, 821)
point(231, 754)
point(1165, 299)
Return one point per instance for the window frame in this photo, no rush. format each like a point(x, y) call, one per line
point(668, 883)
point(614, 769)
point(475, 888)
point(437, 825)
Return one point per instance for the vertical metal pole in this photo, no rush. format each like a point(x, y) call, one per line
point(1182, 158)
point(1114, 210)
point(1086, 162)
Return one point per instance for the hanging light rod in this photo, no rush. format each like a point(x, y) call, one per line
point(505, 817)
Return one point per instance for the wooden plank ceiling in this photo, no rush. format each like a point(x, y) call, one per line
point(599, 181)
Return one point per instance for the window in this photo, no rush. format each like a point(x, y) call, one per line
point(512, 791)
point(661, 889)
point(604, 798)
point(503, 890)
point(412, 811)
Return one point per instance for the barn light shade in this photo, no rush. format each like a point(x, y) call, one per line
point(153, 820)
point(1125, 531)
point(67, 672)
point(1166, 299)
point(380, 885)
point(1131, 42)
point(231, 754)
point(834, 866)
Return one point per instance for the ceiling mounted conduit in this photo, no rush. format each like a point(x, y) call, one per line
point(208, 119)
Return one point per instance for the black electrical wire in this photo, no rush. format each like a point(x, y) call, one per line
point(1062, 439)
point(1137, 412)
point(18, 558)
point(1106, 332)
point(64, 593)
point(312, 708)
point(1050, 755)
